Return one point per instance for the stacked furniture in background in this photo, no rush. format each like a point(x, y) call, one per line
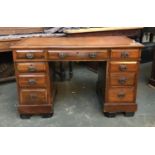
point(10, 36)
point(148, 53)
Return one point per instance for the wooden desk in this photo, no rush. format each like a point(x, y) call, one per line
point(118, 72)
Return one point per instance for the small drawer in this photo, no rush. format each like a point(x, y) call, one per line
point(125, 54)
point(79, 55)
point(33, 97)
point(29, 54)
point(121, 95)
point(31, 67)
point(32, 81)
point(122, 79)
point(123, 66)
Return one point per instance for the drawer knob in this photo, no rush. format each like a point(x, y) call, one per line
point(32, 81)
point(31, 68)
point(29, 55)
point(121, 94)
point(62, 55)
point(92, 55)
point(123, 68)
point(122, 80)
point(125, 54)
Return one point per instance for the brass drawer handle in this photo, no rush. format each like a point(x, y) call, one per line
point(32, 81)
point(121, 94)
point(125, 54)
point(62, 55)
point(29, 55)
point(122, 80)
point(92, 55)
point(31, 68)
point(123, 68)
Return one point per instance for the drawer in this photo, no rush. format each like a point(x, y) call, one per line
point(31, 67)
point(122, 79)
point(29, 54)
point(78, 55)
point(32, 81)
point(125, 53)
point(121, 95)
point(33, 97)
point(123, 66)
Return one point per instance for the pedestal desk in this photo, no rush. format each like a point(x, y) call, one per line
point(118, 58)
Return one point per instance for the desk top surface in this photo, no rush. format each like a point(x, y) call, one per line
point(76, 42)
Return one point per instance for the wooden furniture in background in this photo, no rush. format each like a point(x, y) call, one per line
point(20, 30)
point(152, 79)
point(117, 81)
point(133, 32)
point(148, 39)
point(6, 62)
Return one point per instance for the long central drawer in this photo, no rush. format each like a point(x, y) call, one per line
point(79, 55)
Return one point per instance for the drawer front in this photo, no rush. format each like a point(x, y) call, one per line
point(78, 55)
point(122, 79)
point(33, 97)
point(123, 66)
point(116, 95)
point(31, 67)
point(32, 81)
point(125, 54)
point(29, 54)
